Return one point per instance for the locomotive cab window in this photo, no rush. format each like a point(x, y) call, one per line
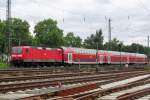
point(16, 50)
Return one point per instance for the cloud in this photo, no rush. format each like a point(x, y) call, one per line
point(130, 18)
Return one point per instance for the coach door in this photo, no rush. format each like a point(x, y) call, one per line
point(69, 57)
point(128, 59)
point(109, 59)
point(101, 59)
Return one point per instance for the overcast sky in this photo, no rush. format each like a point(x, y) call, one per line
point(130, 18)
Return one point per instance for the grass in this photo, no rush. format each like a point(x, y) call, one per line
point(3, 65)
point(147, 67)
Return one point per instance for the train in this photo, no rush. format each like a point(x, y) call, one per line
point(43, 56)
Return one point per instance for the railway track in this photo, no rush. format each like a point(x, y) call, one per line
point(68, 81)
point(84, 93)
point(97, 93)
point(59, 77)
point(50, 75)
point(27, 73)
point(146, 97)
point(135, 94)
point(45, 76)
point(55, 69)
point(48, 83)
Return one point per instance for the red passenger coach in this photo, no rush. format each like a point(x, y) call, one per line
point(36, 55)
point(92, 56)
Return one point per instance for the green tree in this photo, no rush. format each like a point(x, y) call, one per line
point(114, 45)
point(48, 34)
point(71, 40)
point(94, 40)
point(135, 48)
point(20, 34)
point(147, 51)
point(19, 31)
point(2, 36)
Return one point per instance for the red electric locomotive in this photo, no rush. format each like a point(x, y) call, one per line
point(28, 55)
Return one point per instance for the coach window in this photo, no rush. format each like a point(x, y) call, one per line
point(27, 50)
point(19, 50)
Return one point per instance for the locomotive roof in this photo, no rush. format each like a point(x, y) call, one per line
point(35, 47)
point(23, 46)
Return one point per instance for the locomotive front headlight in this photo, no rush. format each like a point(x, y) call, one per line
point(13, 55)
point(19, 55)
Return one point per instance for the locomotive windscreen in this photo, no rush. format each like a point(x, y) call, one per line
point(16, 50)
